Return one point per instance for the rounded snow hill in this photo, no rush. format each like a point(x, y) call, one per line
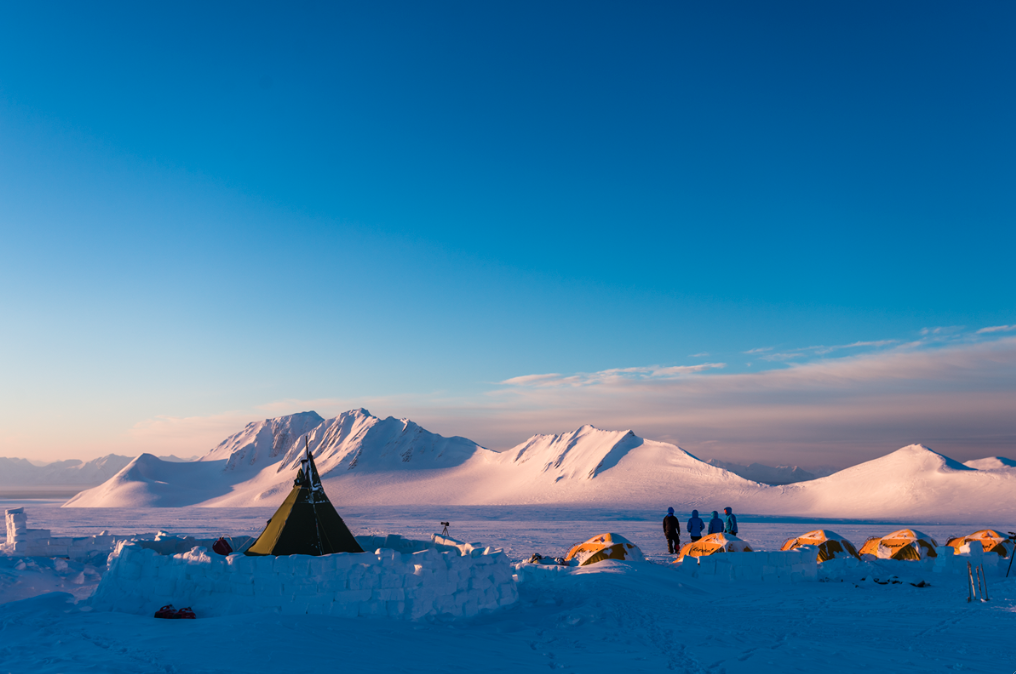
point(148, 482)
point(911, 484)
point(992, 463)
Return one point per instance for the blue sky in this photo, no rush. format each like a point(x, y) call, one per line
point(209, 215)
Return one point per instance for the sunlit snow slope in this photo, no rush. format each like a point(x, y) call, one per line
point(913, 483)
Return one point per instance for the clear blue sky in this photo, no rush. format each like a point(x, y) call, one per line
point(207, 211)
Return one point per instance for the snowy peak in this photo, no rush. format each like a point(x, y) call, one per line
point(261, 443)
point(919, 458)
point(579, 455)
point(357, 441)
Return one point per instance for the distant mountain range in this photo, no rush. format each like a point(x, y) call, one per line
point(773, 475)
point(364, 460)
point(23, 473)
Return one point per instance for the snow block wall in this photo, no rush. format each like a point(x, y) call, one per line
point(948, 561)
point(410, 585)
point(790, 566)
point(22, 541)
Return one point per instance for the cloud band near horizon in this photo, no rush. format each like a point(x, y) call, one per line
point(958, 399)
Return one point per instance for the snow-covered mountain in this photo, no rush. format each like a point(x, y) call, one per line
point(774, 475)
point(364, 460)
point(21, 472)
point(69, 473)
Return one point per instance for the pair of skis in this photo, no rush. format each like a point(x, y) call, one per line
point(981, 586)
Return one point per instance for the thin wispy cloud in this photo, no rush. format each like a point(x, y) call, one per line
point(761, 349)
point(606, 376)
point(996, 328)
point(807, 351)
point(704, 354)
point(942, 330)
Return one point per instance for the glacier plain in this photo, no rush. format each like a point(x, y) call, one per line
point(634, 617)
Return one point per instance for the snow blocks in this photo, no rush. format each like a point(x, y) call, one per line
point(796, 565)
point(385, 583)
point(25, 542)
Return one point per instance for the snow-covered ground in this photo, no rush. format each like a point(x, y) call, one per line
point(616, 616)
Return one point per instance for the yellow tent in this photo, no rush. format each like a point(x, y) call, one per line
point(909, 544)
point(989, 538)
point(830, 544)
point(604, 546)
point(712, 544)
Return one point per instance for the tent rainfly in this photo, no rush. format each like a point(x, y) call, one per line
point(604, 546)
point(989, 538)
point(711, 545)
point(907, 544)
point(306, 523)
point(830, 544)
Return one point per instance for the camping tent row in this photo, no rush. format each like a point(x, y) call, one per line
point(905, 544)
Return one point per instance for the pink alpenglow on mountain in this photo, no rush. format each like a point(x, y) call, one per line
point(364, 460)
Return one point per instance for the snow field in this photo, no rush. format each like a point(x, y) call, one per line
point(644, 617)
point(442, 579)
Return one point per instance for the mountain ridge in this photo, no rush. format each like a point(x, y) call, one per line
point(364, 460)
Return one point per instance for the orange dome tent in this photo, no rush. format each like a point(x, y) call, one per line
point(908, 544)
point(604, 546)
point(830, 544)
point(989, 538)
point(713, 544)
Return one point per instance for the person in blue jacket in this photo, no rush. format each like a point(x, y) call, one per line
point(695, 526)
point(730, 526)
point(716, 524)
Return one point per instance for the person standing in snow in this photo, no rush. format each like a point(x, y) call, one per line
point(716, 524)
point(730, 526)
point(695, 526)
point(672, 530)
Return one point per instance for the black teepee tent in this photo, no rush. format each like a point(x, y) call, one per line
point(306, 523)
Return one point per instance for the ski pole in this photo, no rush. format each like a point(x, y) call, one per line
point(970, 586)
point(1012, 537)
point(984, 579)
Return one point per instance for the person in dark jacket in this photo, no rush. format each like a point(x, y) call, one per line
point(730, 526)
point(695, 526)
point(716, 524)
point(672, 530)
